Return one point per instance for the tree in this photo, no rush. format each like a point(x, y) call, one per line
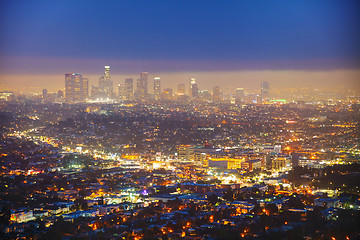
point(229, 195)
point(213, 199)
point(271, 208)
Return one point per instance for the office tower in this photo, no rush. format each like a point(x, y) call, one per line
point(142, 86)
point(44, 93)
point(106, 88)
point(99, 92)
point(157, 89)
point(167, 94)
point(205, 95)
point(122, 92)
point(216, 94)
point(108, 84)
point(181, 89)
point(85, 88)
point(194, 90)
point(107, 74)
point(129, 89)
point(239, 95)
point(264, 90)
point(186, 153)
point(76, 87)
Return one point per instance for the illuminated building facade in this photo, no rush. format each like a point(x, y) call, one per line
point(142, 86)
point(121, 92)
point(186, 153)
point(129, 88)
point(225, 163)
point(108, 84)
point(21, 216)
point(157, 88)
point(76, 87)
point(281, 163)
point(194, 90)
point(167, 94)
point(6, 96)
point(251, 164)
point(239, 95)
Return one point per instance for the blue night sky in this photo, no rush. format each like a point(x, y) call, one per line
point(43, 37)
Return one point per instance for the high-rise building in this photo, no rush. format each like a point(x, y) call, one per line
point(205, 95)
point(194, 90)
point(85, 88)
point(76, 87)
point(129, 88)
point(157, 88)
point(181, 89)
point(264, 90)
point(142, 86)
point(122, 91)
point(107, 75)
point(216, 94)
point(167, 94)
point(239, 95)
point(97, 92)
point(44, 94)
point(108, 84)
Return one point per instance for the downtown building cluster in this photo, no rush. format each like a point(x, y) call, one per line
point(77, 90)
point(181, 169)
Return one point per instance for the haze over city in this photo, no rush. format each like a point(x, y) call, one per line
point(179, 120)
point(238, 43)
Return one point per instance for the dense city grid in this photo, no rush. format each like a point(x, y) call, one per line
point(182, 164)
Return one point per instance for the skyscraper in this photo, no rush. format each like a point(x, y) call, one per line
point(216, 94)
point(194, 90)
point(107, 75)
point(142, 86)
point(129, 88)
point(167, 94)
point(157, 88)
point(85, 88)
point(239, 95)
point(44, 94)
point(181, 89)
point(108, 84)
point(264, 90)
point(76, 87)
point(122, 91)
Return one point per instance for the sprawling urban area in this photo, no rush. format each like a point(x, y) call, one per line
point(105, 162)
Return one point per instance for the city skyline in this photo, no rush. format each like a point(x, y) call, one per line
point(297, 40)
point(162, 119)
point(250, 80)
